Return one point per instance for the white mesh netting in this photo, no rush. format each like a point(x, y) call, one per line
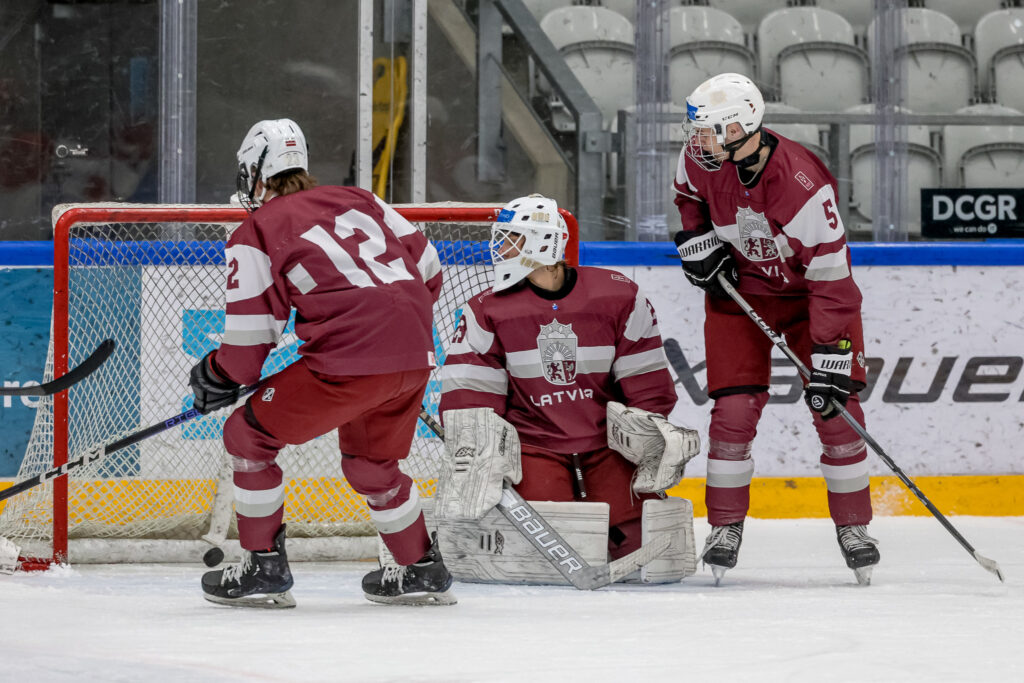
point(157, 288)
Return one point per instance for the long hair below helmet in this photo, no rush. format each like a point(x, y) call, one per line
point(529, 233)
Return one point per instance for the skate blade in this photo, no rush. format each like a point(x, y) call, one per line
point(718, 572)
point(415, 599)
point(863, 575)
point(260, 600)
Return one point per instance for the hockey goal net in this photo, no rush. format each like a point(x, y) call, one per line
point(151, 277)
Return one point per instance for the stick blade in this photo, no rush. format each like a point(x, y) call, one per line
point(989, 565)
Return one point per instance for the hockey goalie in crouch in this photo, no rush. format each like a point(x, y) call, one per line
point(550, 372)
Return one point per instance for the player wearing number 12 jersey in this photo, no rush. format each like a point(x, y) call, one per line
point(761, 210)
point(362, 281)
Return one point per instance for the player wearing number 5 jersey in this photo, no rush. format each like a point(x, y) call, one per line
point(362, 281)
point(762, 210)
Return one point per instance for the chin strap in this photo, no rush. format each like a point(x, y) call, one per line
point(750, 159)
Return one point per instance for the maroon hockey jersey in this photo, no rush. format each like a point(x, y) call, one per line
point(361, 278)
point(785, 232)
point(550, 365)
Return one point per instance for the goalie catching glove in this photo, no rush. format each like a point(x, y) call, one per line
point(659, 449)
point(481, 451)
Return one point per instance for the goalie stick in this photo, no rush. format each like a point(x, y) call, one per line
point(100, 452)
point(779, 342)
point(555, 549)
point(75, 375)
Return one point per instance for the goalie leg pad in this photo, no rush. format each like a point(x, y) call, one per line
point(481, 450)
point(491, 550)
point(675, 517)
point(659, 449)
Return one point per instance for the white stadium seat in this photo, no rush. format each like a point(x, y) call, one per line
point(940, 72)
point(597, 44)
point(807, 134)
point(999, 46)
point(809, 56)
point(924, 169)
point(749, 12)
point(984, 156)
point(705, 42)
point(964, 13)
point(858, 12)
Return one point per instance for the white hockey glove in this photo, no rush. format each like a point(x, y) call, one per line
point(659, 449)
point(481, 451)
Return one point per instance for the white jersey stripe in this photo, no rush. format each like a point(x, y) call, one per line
point(639, 363)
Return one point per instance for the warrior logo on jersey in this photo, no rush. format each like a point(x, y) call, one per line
point(756, 239)
point(557, 345)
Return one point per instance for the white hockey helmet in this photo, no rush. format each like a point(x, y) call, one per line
point(269, 148)
point(529, 233)
point(711, 107)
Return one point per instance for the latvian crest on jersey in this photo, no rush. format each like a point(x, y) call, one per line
point(557, 345)
point(756, 238)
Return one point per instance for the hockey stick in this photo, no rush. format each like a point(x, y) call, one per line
point(75, 375)
point(100, 452)
point(779, 342)
point(555, 549)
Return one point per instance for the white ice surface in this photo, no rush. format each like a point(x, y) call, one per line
point(789, 612)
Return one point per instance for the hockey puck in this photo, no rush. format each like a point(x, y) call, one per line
point(213, 557)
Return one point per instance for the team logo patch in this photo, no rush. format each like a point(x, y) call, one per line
point(802, 178)
point(268, 395)
point(756, 240)
point(557, 344)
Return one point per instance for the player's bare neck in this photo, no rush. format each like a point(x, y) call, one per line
point(549, 278)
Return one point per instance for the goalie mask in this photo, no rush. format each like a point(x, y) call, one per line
point(528, 234)
point(269, 148)
point(710, 108)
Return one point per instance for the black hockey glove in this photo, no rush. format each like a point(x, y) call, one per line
point(830, 378)
point(212, 389)
point(703, 257)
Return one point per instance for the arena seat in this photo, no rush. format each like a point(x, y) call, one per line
point(984, 156)
point(705, 42)
point(858, 12)
point(749, 12)
point(999, 47)
point(940, 72)
point(807, 134)
point(924, 169)
point(810, 59)
point(597, 44)
point(964, 13)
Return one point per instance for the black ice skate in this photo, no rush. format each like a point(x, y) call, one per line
point(722, 548)
point(261, 579)
point(859, 550)
point(426, 582)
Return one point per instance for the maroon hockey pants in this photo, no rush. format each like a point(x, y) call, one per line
point(375, 416)
point(607, 478)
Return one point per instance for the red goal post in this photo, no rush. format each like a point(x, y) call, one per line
point(151, 277)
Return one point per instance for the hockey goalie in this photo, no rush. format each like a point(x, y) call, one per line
point(556, 382)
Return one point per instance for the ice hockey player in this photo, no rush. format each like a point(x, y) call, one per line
point(362, 281)
point(550, 372)
point(762, 210)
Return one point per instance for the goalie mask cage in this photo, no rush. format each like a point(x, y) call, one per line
point(152, 278)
